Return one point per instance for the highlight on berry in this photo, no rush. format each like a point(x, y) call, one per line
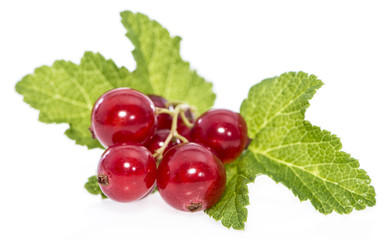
point(153, 142)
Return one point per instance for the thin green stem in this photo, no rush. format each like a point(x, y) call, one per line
point(173, 131)
point(163, 110)
point(177, 135)
point(185, 120)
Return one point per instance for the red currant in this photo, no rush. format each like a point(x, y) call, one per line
point(126, 172)
point(222, 131)
point(164, 120)
point(123, 115)
point(158, 140)
point(191, 178)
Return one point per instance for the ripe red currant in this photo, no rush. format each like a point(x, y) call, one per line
point(126, 172)
point(164, 120)
point(222, 131)
point(123, 115)
point(191, 178)
point(158, 140)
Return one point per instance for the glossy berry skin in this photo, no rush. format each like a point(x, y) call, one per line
point(164, 120)
point(123, 115)
point(223, 131)
point(126, 172)
point(184, 131)
point(158, 140)
point(191, 178)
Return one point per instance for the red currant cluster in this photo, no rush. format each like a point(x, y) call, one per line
point(141, 132)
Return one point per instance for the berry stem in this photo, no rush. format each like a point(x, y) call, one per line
point(185, 120)
point(173, 131)
point(177, 135)
point(163, 110)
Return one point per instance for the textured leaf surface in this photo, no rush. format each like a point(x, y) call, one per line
point(306, 159)
point(160, 67)
point(65, 92)
point(231, 209)
point(92, 187)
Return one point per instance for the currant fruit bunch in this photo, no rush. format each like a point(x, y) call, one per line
point(153, 142)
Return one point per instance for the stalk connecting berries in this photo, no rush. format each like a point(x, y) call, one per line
point(141, 131)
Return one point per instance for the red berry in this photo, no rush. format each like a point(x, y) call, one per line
point(126, 172)
point(191, 178)
point(184, 131)
point(123, 115)
point(222, 131)
point(158, 140)
point(164, 120)
point(149, 192)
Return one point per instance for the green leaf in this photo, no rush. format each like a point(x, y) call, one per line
point(92, 187)
point(160, 67)
point(65, 92)
point(231, 209)
point(306, 159)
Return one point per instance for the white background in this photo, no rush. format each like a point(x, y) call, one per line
point(233, 44)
